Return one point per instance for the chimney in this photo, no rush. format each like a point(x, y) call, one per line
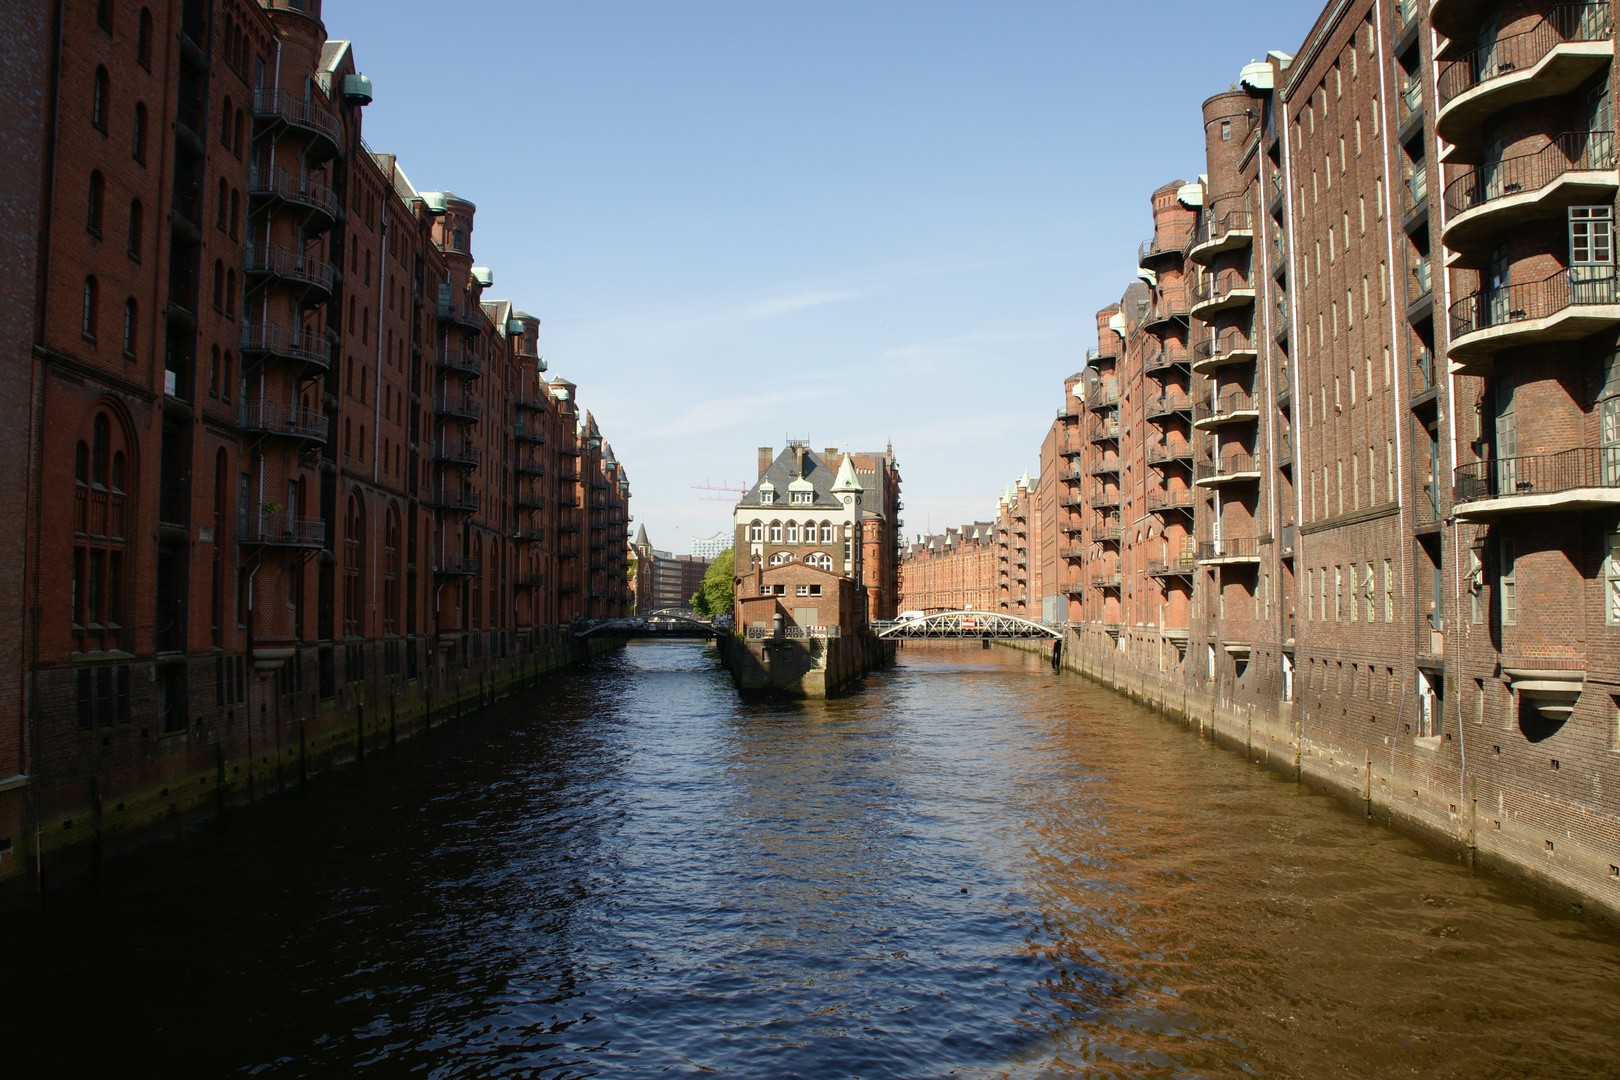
point(830, 454)
point(798, 457)
point(765, 459)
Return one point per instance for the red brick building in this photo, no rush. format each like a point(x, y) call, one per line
point(1340, 478)
point(292, 473)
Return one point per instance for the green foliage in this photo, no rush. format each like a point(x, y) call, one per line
point(716, 595)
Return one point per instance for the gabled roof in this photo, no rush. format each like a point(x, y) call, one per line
point(784, 472)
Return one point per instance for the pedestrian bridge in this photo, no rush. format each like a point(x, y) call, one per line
point(667, 623)
point(968, 624)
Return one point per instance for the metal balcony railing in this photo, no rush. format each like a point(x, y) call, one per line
point(1101, 429)
point(458, 361)
point(457, 453)
point(1170, 500)
point(455, 499)
point(1573, 151)
point(455, 564)
point(287, 343)
point(1516, 52)
point(1236, 221)
point(1212, 408)
point(1179, 450)
point(1105, 396)
point(1219, 286)
point(279, 528)
point(311, 115)
point(272, 259)
point(462, 408)
point(272, 181)
point(269, 418)
point(1229, 547)
point(1538, 474)
point(1218, 348)
point(1534, 300)
point(1173, 239)
point(1230, 465)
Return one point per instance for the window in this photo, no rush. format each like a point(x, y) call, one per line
point(98, 101)
point(241, 134)
point(219, 285)
point(1591, 246)
point(1338, 593)
point(95, 202)
point(104, 14)
point(137, 226)
point(213, 370)
point(1611, 582)
point(1226, 131)
point(1310, 595)
point(801, 590)
point(226, 111)
point(1507, 583)
point(826, 532)
point(87, 324)
point(236, 213)
point(129, 329)
point(804, 498)
point(143, 40)
point(793, 532)
point(776, 532)
point(1367, 592)
point(140, 133)
point(221, 205)
point(354, 595)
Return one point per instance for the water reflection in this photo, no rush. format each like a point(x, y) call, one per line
point(973, 867)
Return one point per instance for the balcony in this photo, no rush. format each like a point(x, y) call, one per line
point(277, 185)
point(468, 316)
point(1104, 500)
point(1172, 241)
point(1557, 54)
point(455, 566)
point(1229, 550)
point(456, 454)
point(1072, 587)
point(1101, 429)
point(1105, 396)
point(1111, 580)
point(463, 408)
point(1570, 305)
point(1071, 449)
point(1068, 412)
point(1099, 354)
point(1217, 292)
point(529, 466)
point(1231, 232)
point(274, 527)
point(530, 581)
point(292, 267)
point(530, 500)
point(454, 500)
point(1164, 502)
point(535, 402)
point(1167, 405)
point(1176, 451)
point(1178, 564)
point(458, 362)
point(1160, 356)
point(1171, 305)
point(1233, 468)
point(526, 432)
point(1584, 478)
point(294, 344)
point(1575, 169)
point(266, 419)
point(280, 109)
point(1107, 467)
point(1230, 347)
point(1233, 407)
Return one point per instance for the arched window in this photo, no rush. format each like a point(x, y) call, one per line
point(98, 533)
point(104, 14)
point(241, 134)
point(97, 198)
point(213, 371)
point(459, 240)
point(129, 328)
point(391, 572)
point(230, 293)
point(781, 558)
point(140, 132)
point(776, 532)
point(143, 40)
point(756, 532)
point(220, 206)
point(219, 285)
point(793, 532)
point(98, 101)
point(137, 226)
point(354, 596)
point(226, 114)
point(826, 532)
point(226, 387)
point(92, 298)
point(236, 212)
point(819, 559)
point(362, 444)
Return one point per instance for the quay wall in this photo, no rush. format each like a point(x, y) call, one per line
point(803, 667)
point(1556, 848)
point(271, 742)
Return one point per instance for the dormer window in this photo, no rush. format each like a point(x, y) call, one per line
point(767, 498)
point(803, 498)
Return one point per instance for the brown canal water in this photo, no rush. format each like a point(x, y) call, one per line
point(971, 867)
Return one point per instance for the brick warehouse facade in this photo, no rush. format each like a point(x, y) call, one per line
point(295, 484)
point(1363, 408)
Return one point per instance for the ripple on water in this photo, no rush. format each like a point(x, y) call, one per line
point(971, 867)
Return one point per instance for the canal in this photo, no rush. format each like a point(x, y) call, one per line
point(971, 867)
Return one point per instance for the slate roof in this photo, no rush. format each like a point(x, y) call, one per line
point(784, 470)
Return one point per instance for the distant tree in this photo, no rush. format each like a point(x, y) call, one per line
point(717, 593)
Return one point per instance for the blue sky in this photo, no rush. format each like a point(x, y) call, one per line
point(852, 223)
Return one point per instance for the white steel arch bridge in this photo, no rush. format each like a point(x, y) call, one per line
point(964, 625)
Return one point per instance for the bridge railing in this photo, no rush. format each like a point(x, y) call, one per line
point(795, 633)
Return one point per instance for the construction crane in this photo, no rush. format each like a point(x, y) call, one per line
point(721, 486)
